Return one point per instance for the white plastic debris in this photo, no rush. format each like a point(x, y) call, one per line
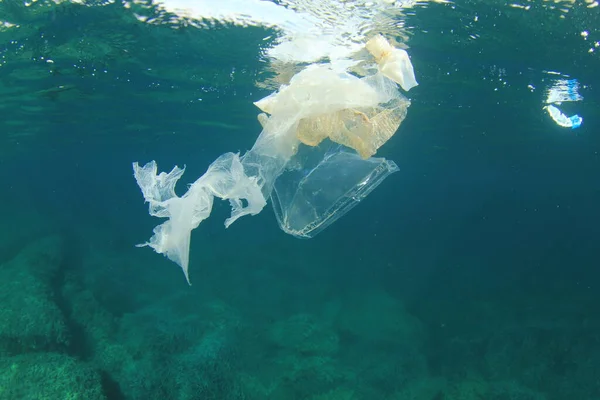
point(393, 63)
point(561, 119)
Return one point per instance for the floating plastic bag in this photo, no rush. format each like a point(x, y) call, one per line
point(362, 129)
point(311, 180)
point(360, 113)
point(322, 184)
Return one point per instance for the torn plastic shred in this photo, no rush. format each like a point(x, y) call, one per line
point(563, 90)
point(561, 119)
point(313, 158)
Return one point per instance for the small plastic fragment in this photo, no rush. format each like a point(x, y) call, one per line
point(393, 63)
point(561, 119)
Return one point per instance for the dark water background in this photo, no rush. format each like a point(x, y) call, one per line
point(470, 274)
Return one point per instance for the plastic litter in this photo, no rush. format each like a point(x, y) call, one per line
point(561, 119)
point(393, 63)
point(313, 158)
point(563, 90)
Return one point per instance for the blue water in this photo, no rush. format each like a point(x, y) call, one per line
point(470, 274)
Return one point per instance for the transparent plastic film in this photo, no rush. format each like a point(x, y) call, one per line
point(225, 179)
point(363, 129)
point(561, 119)
point(393, 63)
point(313, 157)
point(322, 184)
point(563, 91)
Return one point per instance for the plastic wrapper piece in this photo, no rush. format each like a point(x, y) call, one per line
point(322, 184)
point(225, 178)
point(312, 157)
point(393, 63)
point(361, 113)
point(364, 130)
point(319, 89)
point(561, 119)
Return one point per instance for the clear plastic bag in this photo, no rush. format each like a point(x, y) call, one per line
point(322, 184)
point(312, 158)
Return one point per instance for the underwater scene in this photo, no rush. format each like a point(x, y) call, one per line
point(300, 200)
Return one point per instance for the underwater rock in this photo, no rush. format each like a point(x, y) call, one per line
point(423, 388)
point(337, 394)
point(180, 344)
point(26, 225)
point(48, 376)
point(480, 388)
point(379, 317)
point(302, 333)
point(30, 320)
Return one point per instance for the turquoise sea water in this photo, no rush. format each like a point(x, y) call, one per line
point(471, 274)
